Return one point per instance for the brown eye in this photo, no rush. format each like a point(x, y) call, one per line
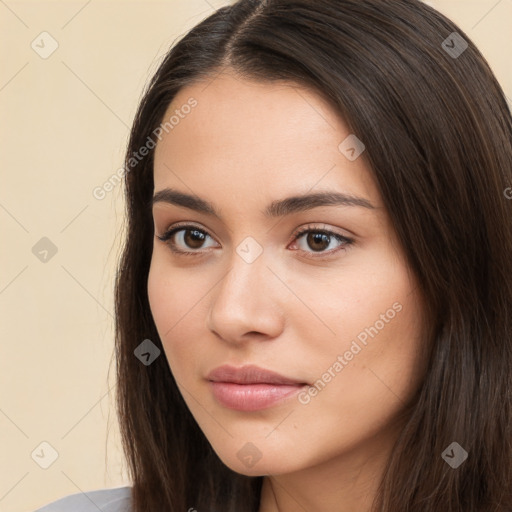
point(318, 241)
point(193, 238)
point(183, 237)
point(187, 237)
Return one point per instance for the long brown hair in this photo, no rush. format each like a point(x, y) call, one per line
point(438, 137)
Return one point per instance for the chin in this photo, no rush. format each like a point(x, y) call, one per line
point(246, 461)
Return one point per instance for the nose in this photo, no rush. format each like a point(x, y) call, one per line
point(247, 302)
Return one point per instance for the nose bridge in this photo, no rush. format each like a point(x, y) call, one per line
point(243, 301)
point(248, 270)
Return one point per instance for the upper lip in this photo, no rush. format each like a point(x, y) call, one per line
point(249, 374)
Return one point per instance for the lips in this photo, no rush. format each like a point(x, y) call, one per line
point(250, 374)
point(250, 388)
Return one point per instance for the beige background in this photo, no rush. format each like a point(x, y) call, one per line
point(65, 121)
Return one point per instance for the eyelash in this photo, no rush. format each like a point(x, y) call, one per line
point(166, 238)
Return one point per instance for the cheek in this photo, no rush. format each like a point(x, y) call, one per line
point(378, 320)
point(363, 393)
point(158, 294)
point(170, 294)
point(373, 301)
point(387, 371)
point(166, 304)
point(175, 306)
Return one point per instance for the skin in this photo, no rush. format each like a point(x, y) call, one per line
point(244, 145)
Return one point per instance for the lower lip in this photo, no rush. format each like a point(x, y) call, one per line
point(251, 397)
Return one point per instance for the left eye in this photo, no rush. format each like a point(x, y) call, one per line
point(192, 238)
point(320, 240)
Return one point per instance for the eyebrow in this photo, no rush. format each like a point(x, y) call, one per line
point(278, 208)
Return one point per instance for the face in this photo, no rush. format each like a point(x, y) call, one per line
point(317, 291)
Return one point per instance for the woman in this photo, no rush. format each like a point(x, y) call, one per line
point(313, 306)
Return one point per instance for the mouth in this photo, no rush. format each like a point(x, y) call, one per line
point(251, 388)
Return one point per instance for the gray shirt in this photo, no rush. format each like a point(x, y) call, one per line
point(101, 500)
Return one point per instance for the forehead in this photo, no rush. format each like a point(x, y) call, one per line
point(246, 136)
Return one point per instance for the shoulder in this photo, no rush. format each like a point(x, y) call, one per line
point(106, 500)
